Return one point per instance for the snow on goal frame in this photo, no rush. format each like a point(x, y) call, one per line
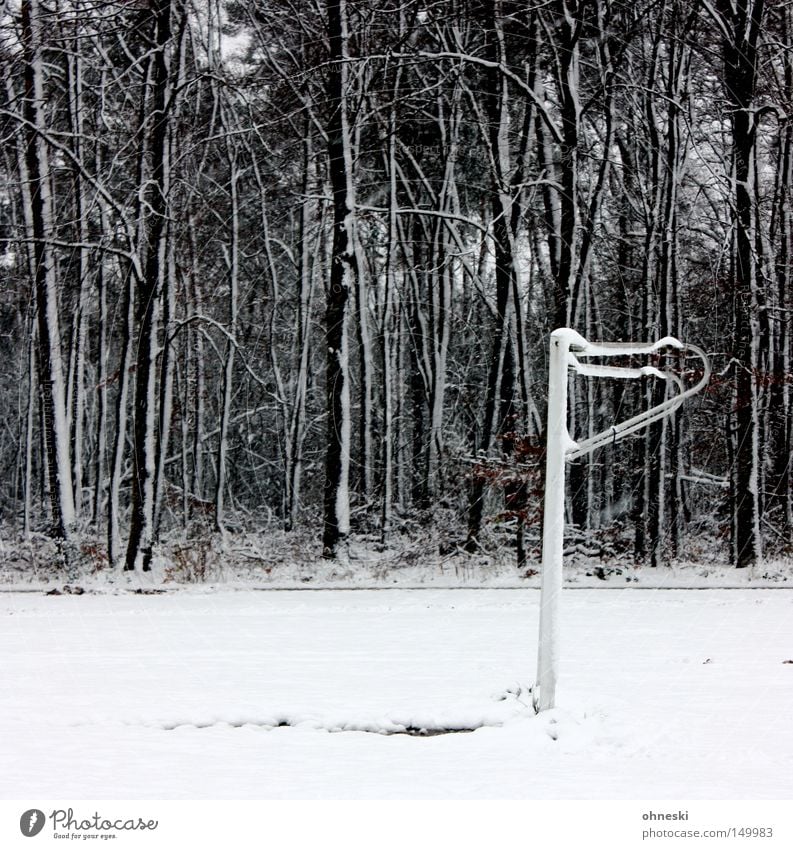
point(566, 348)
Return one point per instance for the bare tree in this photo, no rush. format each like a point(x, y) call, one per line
point(739, 24)
point(155, 190)
point(37, 174)
point(343, 274)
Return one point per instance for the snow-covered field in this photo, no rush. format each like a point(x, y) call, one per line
point(663, 694)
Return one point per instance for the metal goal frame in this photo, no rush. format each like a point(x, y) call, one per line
point(567, 347)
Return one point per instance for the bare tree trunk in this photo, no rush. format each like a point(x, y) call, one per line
point(120, 434)
point(500, 394)
point(40, 223)
point(100, 460)
point(232, 262)
point(76, 384)
point(441, 296)
point(343, 273)
point(649, 514)
point(389, 321)
point(30, 417)
point(566, 49)
point(669, 514)
point(33, 389)
point(569, 21)
point(196, 340)
point(166, 382)
point(297, 424)
point(366, 465)
point(141, 535)
point(780, 434)
point(741, 24)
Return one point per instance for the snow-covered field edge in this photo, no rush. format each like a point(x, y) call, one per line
point(284, 561)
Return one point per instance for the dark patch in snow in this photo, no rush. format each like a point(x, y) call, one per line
point(383, 731)
point(415, 731)
point(516, 693)
point(67, 590)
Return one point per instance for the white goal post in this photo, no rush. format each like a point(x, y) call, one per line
point(566, 349)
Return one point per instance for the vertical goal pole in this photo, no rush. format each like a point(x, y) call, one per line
point(558, 440)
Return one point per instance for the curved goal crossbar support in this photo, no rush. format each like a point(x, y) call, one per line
point(567, 350)
point(645, 418)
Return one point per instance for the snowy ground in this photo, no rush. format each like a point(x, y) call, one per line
point(664, 694)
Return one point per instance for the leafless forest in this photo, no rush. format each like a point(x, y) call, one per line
point(292, 266)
